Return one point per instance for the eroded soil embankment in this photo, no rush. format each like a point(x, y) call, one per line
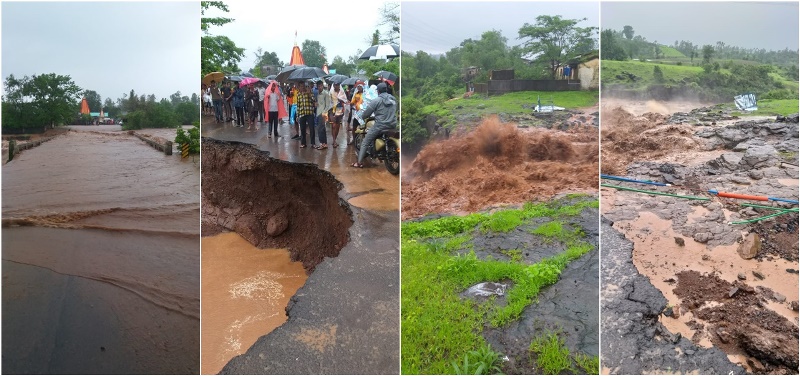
point(273, 203)
point(497, 164)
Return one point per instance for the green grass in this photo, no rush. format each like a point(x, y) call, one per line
point(777, 107)
point(440, 331)
point(670, 52)
point(514, 254)
point(589, 364)
point(552, 356)
point(609, 70)
point(483, 361)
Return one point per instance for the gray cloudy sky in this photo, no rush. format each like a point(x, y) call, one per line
point(773, 26)
point(111, 48)
point(341, 27)
point(436, 27)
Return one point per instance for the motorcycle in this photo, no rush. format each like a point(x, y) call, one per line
point(386, 147)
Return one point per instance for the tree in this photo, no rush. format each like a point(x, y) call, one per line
point(93, 99)
point(708, 54)
point(206, 22)
point(658, 75)
point(265, 58)
point(610, 49)
point(341, 66)
point(313, 53)
point(39, 101)
point(627, 31)
point(217, 52)
point(110, 107)
point(488, 53)
point(390, 18)
point(556, 40)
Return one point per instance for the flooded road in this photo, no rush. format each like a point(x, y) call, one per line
point(245, 295)
point(100, 257)
point(344, 317)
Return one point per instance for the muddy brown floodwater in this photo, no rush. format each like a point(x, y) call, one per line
point(101, 261)
point(499, 164)
point(246, 293)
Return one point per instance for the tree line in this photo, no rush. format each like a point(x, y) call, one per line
point(548, 44)
point(46, 100)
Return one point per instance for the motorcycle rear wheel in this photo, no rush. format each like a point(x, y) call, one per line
point(392, 161)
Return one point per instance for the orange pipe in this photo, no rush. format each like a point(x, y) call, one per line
point(743, 197)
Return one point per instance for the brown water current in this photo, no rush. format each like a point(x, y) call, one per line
point(100, 258)
point(245, 295)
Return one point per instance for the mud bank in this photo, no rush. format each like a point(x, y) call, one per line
point(499, 164)
point(273, 203)
point(634, 341)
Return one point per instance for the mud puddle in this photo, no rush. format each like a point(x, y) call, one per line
point(102, 249)
point(245, 295)
point(498, 164)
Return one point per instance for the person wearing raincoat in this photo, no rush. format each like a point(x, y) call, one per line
point(385, 109)
point(273, 106)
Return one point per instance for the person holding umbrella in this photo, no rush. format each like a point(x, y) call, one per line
point(238, 104)
point(216, 97)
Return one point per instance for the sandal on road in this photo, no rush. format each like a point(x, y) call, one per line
point(357, 165)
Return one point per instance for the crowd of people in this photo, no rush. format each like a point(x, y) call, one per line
point(309, 108)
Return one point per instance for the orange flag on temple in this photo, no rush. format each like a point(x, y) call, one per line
point(85, 106)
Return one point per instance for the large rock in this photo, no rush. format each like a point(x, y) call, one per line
point(750, 246)
point(760, 156)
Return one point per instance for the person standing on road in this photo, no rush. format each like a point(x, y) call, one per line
point(238, 104)
point(273, 105)
point(324, 105)
point(216, 97)
point(227, 96)
point(385, 109)
point(355, 106)
point(262, 91)
point(305, 112)
point(338, 98)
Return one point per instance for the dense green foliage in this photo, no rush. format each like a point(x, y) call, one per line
point(192, 137)
point(441, 333)
point(39, 101)
point(218, 53)
point(431, 82)
point(144, 112)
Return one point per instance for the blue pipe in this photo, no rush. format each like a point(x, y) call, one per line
point(611, 177)
point(783, 200)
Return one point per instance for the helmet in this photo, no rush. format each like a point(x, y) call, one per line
point(382, 88)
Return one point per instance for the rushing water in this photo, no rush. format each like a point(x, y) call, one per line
point(245, 292)
point(101, 261)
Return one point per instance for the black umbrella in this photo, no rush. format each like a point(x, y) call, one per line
point(234, 78)
point(386, 75)
point(381, 51)
point(286, 71)
point(246, 74)
point(271, 77)
point(337, 78)
point(306, 73)
point(351, 81)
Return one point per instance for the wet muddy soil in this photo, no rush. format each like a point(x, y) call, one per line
point(499, 164)
point(101, 261)
point(695, 239)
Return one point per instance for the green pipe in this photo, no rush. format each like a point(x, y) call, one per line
point(771, 207)
point(759, 218)
point(654, 192)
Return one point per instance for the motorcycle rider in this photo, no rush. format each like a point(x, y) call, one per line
point(385, 109)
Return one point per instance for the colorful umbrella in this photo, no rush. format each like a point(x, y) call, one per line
point(248, 80)
point(213, 76)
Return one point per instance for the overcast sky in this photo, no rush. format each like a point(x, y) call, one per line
point(341, 27)
point(111, 48)
point(773, 26)
point(436, 27)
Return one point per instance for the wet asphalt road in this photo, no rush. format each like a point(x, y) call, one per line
point(345, 319)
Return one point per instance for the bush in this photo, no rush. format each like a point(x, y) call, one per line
point(192, 138)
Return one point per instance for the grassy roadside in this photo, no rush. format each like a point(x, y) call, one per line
point(515, 103)
point(441, 332)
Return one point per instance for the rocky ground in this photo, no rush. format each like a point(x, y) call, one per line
point(684, 246)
